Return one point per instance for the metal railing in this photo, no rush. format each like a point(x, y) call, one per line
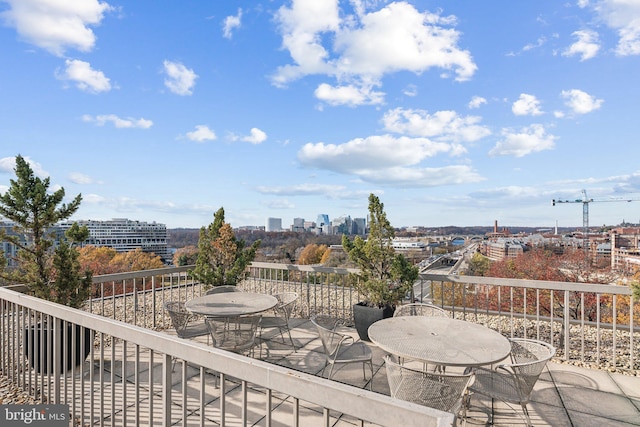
point(603, 320)
point(129, 377)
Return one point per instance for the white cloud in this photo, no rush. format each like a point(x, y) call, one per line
point(581, 102)
point(442, 125)
point(8, 164)
point(120, 123)
point(366, 46)
point(86, 78)
point(371, 153)
point(423, 177)
point(476, 102)
point(279, 204)
point(624, 17)
point(348, 95)
point(586, 46)
point(410, 90)
point(56, 25)
point(257, 136)
point(201, 134)
point(327, 190)
point(180, 79)
point(529, 140)
point(80, 178)
point(526, 105)
point(231, 23)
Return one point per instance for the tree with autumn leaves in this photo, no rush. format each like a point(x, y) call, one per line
point(222, 258)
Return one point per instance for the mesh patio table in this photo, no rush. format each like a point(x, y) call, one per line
point(231, 304)
point(440, 341)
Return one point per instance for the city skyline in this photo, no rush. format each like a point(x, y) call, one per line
point(453, 113)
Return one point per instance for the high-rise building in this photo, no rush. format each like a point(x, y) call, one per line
point(298, 225)
point(274, 224)
point(323, 226)
point(125, 235)
point(359, 226)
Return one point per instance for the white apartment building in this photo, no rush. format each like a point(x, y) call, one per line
point(126, 235)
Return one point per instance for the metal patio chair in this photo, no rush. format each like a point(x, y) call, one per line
point(186, 324)
point(236, 334)
point(420, 309)
point(513, 382)
point(340, 348)
point(438, 390)
point(282, 313)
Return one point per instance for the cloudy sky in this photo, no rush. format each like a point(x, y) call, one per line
point(452, 112)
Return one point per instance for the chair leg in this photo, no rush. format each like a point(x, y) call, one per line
point(330, 371)
point(526, 414)
point(295, 350)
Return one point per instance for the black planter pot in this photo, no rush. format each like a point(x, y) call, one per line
point(39, 344)
point(365, 316)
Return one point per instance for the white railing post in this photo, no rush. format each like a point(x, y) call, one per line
point(566, 324)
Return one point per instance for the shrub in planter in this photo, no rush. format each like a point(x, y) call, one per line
point(51, 272)
point(385, 276)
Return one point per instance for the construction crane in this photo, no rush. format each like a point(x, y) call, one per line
point(585, 212)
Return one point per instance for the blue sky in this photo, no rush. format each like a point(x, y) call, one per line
point(452, 112)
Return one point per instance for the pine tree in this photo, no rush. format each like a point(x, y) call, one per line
point(222, 258)
point(50, 274)
point(385, 276)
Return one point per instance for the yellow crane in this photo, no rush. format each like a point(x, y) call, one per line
point(585, 212)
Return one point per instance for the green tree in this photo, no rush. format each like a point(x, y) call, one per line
point(52, 274)
point(385, 276)
point(478, 265)
point(222, 258)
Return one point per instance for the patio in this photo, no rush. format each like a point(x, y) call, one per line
point(133, 379)
point(565, 395)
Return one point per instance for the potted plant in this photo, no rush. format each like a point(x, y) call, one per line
point(385, 276)
point(50, 271)
point(222, 258)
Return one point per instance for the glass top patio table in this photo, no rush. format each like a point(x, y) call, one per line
point(231, 304)
point(440, 340)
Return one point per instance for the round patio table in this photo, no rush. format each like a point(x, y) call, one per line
point(231, 304)
point(440, 340)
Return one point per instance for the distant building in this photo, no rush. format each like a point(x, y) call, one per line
point(502, 248)
point(274, 224)
point(323, 225)
point(298, 225)
point(342, 225)
point(10, 251)
point(125, 235)
point(360, 226)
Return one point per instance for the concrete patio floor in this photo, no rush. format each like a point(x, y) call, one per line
point(565, 395)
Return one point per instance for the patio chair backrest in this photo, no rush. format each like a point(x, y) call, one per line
point(331, 340)
point(179, 315)
point(420, 309)
point(222, 289)
point(236, 334)
point(438, 390)
point(528, 357)
point(286, 304)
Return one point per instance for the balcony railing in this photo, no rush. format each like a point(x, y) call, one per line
point(592, 324)
point(130, 377)
point(603, 320)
